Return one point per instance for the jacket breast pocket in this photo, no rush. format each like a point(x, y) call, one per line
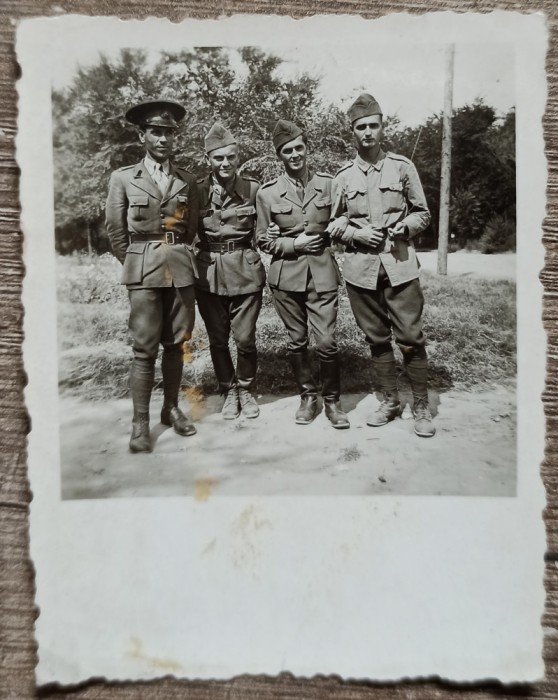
point(283, 215)
point(357, 204)
point(393, 198)
point(322, 210)
point(139, 207)
point(245, 217)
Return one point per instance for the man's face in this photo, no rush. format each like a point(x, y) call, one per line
point(158, 141)
point(223, 162)
point(293, 155)
point(368, 132)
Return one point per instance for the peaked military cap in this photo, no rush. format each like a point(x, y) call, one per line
point(364, 106)
point(284, 132)
point(156, 113)
point(218, 137)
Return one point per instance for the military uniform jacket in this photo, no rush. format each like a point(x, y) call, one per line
point(135, 205)
point(228, 216)
point(277, 202)
point(381, 195)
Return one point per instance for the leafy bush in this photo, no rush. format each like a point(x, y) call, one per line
point(498, 235)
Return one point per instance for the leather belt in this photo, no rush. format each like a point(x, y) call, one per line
point(225, 246)
point(168, 237)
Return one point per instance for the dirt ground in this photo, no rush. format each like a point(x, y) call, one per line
point(472, 454)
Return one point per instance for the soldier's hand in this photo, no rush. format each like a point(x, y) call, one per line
point(368, 236)
point(400, 230)
point(273, 231)
point(337, 226)
point(309, 243)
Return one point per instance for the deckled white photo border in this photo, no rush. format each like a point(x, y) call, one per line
point(362, 587)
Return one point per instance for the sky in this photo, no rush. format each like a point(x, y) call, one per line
point(407, 79)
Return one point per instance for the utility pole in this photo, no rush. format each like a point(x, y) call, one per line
point(443, 228)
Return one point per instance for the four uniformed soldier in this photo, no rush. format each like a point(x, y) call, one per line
point(156, 213)
point(151, 218)
point(293, 212)
point(382, 197)
point(231, 274)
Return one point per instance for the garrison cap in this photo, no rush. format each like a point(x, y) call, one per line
point(364, 106)
point(218, 137)
point(156, 113)
point(284, 132)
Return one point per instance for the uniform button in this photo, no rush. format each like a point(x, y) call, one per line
point(162, 216)
point(222, 223)
point(306, 223)
point(163, 227)
point(304, 211)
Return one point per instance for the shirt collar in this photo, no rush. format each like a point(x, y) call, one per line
point(152, 165)
point(297, 181)
point(229, 188)
point(365, 166)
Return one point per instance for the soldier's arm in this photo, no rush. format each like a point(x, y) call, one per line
point(339, 208)
point(418, 216)
point(193, 211)
point(116, 216)
point(281, 246)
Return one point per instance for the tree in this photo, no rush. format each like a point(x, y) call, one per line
point(249, 95)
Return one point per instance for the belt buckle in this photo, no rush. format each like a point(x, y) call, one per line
point(169, 237)
point(230, 246)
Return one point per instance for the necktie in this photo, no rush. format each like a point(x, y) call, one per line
point(160, 177)
point(299, 190)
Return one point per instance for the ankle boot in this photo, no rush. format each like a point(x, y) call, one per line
point(389, 408)
point(248, 404)
point(329, 372)
point(308, 409)
point(231, 407)
point(386, 380)
point(416, 367)
point(140, 440)
point(424, 425)
point(246, 368)
point(173, 416)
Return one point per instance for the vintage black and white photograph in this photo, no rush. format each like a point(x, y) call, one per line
point(284, 344)
point(286, 273)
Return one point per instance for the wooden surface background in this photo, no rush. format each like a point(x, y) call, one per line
point(17, 612)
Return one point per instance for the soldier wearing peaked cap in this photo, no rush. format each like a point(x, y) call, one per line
point(381, 196)
point(231, 274)
point(151, 219)
point(293, 213)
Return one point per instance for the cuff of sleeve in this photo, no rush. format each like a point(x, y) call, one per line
point(349, 235)
point(289, 244)
point(410, 231)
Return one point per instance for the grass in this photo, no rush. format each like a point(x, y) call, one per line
point(470, 324)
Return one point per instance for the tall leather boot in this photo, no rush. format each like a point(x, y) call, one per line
point(416, 367)
point(329, 372)
point(171, 366)
point(386, 381)
point(228, 385)
point(142, 374)
point(302, 370)
point(246, 368)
